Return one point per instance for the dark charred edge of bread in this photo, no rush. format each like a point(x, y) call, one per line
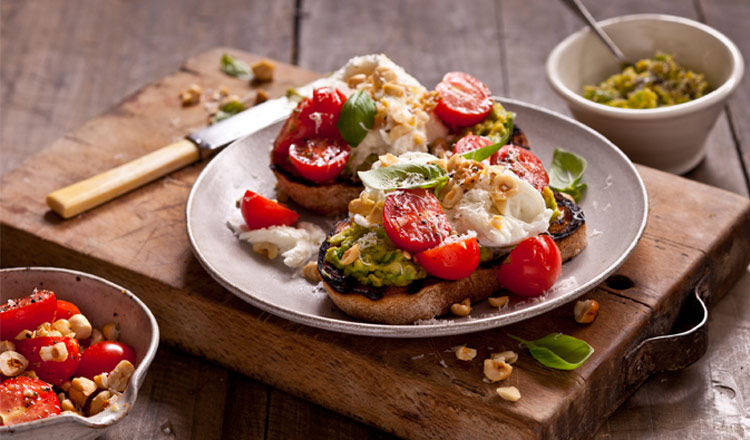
point(518, 138)
point(331, 198)
point(569, 230)
point(430, 297)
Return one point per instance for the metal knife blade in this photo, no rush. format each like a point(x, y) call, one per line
point(242, 124)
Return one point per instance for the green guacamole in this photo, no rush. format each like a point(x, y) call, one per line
point(650, 83)
point(380, 263)
point(496, 126)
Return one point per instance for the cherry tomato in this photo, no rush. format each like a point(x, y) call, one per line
point(260, 212)
point(464, 100)
point(414, 220)
point(65, 310)
point(50, 371)
point(24, 399)
point(292, 130)
point(451, 260)
point(26, 313)
point(319, 159)
point(524, 163)
point(472, 142)
point(532, 267)
point(102, 357)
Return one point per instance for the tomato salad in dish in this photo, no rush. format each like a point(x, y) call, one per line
point(53, 361)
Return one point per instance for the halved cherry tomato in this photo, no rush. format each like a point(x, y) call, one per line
point(50, 371)
point(524, 163)
point(24, 399)
point(414, 220)
point(260, 212)
point(65, 310)
point(319, 159)
point(103, 357)
point(472, 142)
point(293, 130)
point(27, 313)
point(451, 260)
point(464, 100)
point(532, 267)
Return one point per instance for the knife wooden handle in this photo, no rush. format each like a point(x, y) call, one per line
point(94, 191)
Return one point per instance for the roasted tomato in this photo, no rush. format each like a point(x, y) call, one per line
point(65, 310)
point(451, 260)
point(102, 357)
point(27, 313)
point(464, 100)
point(414, 220)
point(53, 371)
point(294, 129)
point(260, 212)
point(472, 142)
point(24, 399)
point(319, 159)
point(524, 163)
point(532, 267)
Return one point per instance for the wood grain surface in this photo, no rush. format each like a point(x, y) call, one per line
point(78, 64)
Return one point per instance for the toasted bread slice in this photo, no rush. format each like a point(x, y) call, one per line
point(431, 297)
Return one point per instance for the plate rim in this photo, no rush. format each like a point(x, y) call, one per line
point(426, 330)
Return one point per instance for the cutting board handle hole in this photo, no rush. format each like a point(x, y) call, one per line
point(619, 282)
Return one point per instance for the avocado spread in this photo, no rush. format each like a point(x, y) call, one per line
point(497, 126)
point(650, 83)
point(380, 263)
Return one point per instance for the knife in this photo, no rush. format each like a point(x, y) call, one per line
point(92, 192)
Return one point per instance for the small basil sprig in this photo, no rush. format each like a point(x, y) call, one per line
point(485, 152)
point(229, 109)
point(559, 351)
point(405, 176)
point(234, 67)
point(566, 173)
point(357, 117)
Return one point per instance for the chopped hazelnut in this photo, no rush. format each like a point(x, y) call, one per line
point(191, 95)
point(263, 70)
point(496, 370)
point(465, 353)
point(506, 356)
point(462, 309)
point(585, 311)
point(12, 363)
point(261, 96)
point(510, 394)
point(310, 271)
point(498, 301)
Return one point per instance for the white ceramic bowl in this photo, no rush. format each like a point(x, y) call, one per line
point(101, 302)
point(669, 138)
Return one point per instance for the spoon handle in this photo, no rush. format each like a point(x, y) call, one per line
point(578, 7)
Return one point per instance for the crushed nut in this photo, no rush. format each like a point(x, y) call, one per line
point(100, 403)
point(269, 250)
point(65, 386)
point(80, 325)
point(465, 353)
point(102, 380)
point(57, 352)
point(24, 334)
point(191, 95)
point(387, 160)
point(63, 326)
point(510, 394)
point(12, 363)
point(351, 255)
point(263, 70)
point(67, 405)
point(77, 397)
point(393, 89)
point(498, 301)
point(310, 271)
point(496, 370)
point(118, 378)
point(462, 309)
point(356, 79)
point(96, 336)
point(30, 373)
point(7, 346)
point(509, 356)
point(261, 96)
point(585, 311)
point(111, 331)
point(84, 385)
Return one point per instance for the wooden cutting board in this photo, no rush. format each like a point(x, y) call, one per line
point(414, 388)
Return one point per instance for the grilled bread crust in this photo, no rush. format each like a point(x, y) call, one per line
point(431, 297)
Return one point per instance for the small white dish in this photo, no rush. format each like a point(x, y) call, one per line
point(668, 138)
point(101, 302)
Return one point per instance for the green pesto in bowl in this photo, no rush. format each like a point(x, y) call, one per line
point(649, 83)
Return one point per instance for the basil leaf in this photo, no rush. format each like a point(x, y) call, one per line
point(566, 173)
point(405, 176)
point(485, 152)
point(234, 67)
point(357, 117)
point(558, 351)
point(229, 109)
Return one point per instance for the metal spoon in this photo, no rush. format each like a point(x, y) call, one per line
point(578, 7)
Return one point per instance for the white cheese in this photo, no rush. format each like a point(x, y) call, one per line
point(296, 245)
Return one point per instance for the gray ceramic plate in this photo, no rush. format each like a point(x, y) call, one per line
point(614, 204)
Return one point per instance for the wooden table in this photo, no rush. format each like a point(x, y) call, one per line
point(64, 63)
